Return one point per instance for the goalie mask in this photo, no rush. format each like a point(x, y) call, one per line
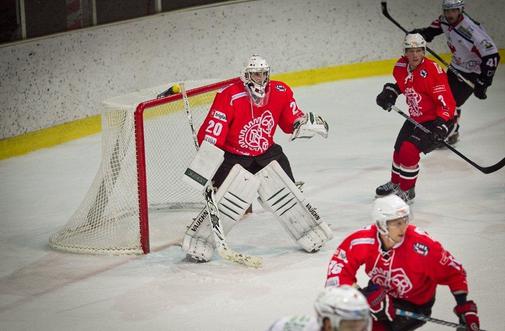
point(389, 208)
point(345, 307)
point(256, 76)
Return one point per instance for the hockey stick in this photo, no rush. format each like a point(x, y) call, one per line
point(486, 170)
point(409, 314)
point(385, 12)
point(217, 229)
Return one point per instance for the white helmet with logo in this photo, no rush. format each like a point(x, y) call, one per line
point(453, 4)
point(388, 208)
point(256, 76)
point(414, 40)
point(344, 303)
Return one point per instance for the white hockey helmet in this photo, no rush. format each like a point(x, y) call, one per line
point(389, 208)
point(453, 4)
point(342, 304)
point(414, 40)
point(256, 85)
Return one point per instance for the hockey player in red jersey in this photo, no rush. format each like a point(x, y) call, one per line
point(244, 117)
point(474, 54)
point(242, 121)
point(405, 266)
point(430, 102)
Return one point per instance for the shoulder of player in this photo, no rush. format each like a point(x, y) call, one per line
point(363, 237)
point(431, 66)
point(400, 65)
point(232, 92)
point(420, 240)
point(279, 87)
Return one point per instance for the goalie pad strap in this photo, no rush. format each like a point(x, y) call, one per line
point(281, 196)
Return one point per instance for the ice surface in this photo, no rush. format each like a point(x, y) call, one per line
point(41, 289)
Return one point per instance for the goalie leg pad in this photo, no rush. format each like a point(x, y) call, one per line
point(234, 196)
point(280, 195)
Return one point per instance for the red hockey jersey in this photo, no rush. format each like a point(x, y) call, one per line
point(235, 124)
point(426, 89)
point(411, 270)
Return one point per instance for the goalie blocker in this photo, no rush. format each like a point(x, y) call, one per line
point(278, 194)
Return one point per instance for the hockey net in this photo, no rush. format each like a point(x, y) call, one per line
point(146, 147)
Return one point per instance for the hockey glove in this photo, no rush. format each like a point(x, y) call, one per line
point(480, 89)
point(387, 97)
point(309, 125)
point(381, 303)
point(467, 313)
point(440, 130)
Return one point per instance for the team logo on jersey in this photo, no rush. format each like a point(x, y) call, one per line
point(255, 134)
point(423, 73)
point(280, 88)
point(397, 282)
point(486, 44)
point(413, 100)
point(219, 115)
point(421, 249)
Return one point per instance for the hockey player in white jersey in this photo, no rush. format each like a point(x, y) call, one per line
point(337, 309)
point(474, 54)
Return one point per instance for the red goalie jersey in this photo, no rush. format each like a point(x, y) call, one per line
point(426, 89)
point(237, 125)
point(411, 270)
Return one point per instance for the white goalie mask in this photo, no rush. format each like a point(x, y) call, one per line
point(414, 40)
point(453, 4)
point(256, 76)
point(345, 307)
point(389, 208)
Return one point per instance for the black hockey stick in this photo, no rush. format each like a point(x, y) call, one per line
point(385, 12)
point(486, 170)
point(409, 314)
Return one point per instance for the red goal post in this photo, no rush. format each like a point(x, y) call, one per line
point(146, 147)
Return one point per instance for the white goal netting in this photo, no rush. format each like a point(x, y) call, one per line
point(146, 147)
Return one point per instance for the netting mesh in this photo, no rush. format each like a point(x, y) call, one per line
point(108, 219)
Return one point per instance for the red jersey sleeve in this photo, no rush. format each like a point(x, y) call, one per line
point(347, 259)
point(441, 92)
point(446, 270)
point(290, 111)
point(214, 128)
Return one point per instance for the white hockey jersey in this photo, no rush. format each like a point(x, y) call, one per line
point(468, 41)
point(296, 323)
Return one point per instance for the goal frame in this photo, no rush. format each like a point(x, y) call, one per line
point(141, 154)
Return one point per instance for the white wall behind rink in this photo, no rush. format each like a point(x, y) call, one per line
point(60, 78)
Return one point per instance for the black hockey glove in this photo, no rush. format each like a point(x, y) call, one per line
point(480, 89)
point(440, 130)
point(427, 34)
point(387, 97)
point(487, 68)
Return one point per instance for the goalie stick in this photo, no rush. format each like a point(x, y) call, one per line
point(385, 12)
point(409, 314)
point(215, 224)
point(217, 229)
point(486, 170)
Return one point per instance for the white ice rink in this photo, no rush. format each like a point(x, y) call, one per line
point(42, 289)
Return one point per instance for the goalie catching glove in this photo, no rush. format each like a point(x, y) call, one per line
point(308, 125)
